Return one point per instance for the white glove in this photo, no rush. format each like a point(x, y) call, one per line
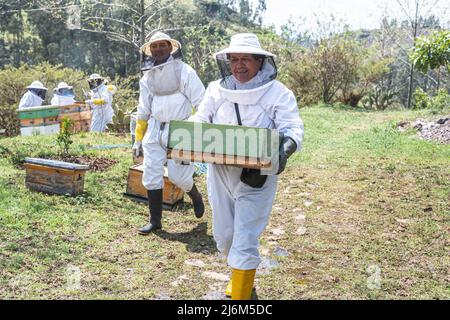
point(89, 102)
point(137, 148)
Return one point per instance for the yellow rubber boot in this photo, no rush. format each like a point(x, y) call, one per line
point(229, 288)
point(242, 284)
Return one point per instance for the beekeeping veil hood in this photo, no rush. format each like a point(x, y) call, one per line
point(148, 60)
point(246, 43)
point(163, 79)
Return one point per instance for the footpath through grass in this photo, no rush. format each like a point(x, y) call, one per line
point(360, 213)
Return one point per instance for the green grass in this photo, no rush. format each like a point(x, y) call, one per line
point(374, 199)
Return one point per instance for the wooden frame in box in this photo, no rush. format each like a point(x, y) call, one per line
point(245, 147)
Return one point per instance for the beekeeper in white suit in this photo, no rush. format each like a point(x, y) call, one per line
point(241, 199)
point(100, 102)
point(169, 90)
point(63, 95)
point(34, 96)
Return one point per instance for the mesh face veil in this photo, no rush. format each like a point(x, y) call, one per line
point(95, 83)
point(39, 92)
point(266, 73)
point(148, 61)
point(66, 92)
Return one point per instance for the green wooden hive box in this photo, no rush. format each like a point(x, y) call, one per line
point(241, 146)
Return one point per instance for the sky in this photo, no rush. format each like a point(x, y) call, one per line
point(356, 13)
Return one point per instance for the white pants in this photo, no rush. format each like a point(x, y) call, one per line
point(155, 157)
point(101, 116)
point(240, 214)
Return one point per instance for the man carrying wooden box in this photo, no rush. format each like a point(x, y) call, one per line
point(169, 89)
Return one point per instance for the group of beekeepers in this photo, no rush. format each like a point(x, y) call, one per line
point(100, 99)
point(247, 94)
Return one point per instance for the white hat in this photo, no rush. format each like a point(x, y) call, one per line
point(63, 85)
point(244, 43)
point(95, 76)
point(160, 36)
point(37, 85)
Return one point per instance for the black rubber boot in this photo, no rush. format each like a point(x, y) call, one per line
point(197, 201)
point(155, 205)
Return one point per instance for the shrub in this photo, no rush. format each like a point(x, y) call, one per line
point(64, 137)
point(423, 101)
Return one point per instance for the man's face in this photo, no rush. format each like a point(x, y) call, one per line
point(161, 50)
point(244, 66)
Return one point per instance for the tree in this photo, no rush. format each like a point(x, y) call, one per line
point(432, 52)
point(416, 12)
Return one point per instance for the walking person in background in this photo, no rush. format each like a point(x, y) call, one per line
point(100, 103)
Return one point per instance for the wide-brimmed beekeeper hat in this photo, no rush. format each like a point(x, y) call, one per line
point(243, 43)
point(63, 85)
point(37, 85)
point(95, 76)
point(160, 36)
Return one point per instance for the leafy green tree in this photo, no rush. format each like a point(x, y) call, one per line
point(432, 52)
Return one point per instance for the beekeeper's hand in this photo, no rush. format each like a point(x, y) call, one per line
point(137, 149)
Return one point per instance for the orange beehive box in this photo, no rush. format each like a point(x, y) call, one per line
point(136, 190)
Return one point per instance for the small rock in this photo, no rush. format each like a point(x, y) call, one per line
point(442, 120)
point(300, 218)
point(280, 252)
point(214, 295)
point(195, 263)
point(402, 221)
point(180, 280)
point(216, 276)
point(301, 231)
point(308, 203)
point(277, 231)
point(266, 265)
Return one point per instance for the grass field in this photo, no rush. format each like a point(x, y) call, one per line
point(361, 213)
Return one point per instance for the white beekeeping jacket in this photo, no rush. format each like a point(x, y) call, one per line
point(29, 99)
point(58, 100)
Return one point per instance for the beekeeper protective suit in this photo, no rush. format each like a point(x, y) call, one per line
point(169, 90)
point(34, 96)
point(100, 103)
point(63, 95)
point(241, 208)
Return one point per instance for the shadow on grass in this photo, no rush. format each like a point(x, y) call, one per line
point(196, 240)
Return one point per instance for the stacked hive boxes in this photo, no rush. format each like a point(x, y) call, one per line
point(46, 119)
point(79, 114)
point(39, 120)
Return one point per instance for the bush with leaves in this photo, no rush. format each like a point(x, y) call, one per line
point(64, 137)
point(378, 98)
point(421, 100)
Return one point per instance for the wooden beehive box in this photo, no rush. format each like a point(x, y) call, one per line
point(246, 147)
point(55, 177)
point(39, 120)
point(80, 114)
point(136, 190)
